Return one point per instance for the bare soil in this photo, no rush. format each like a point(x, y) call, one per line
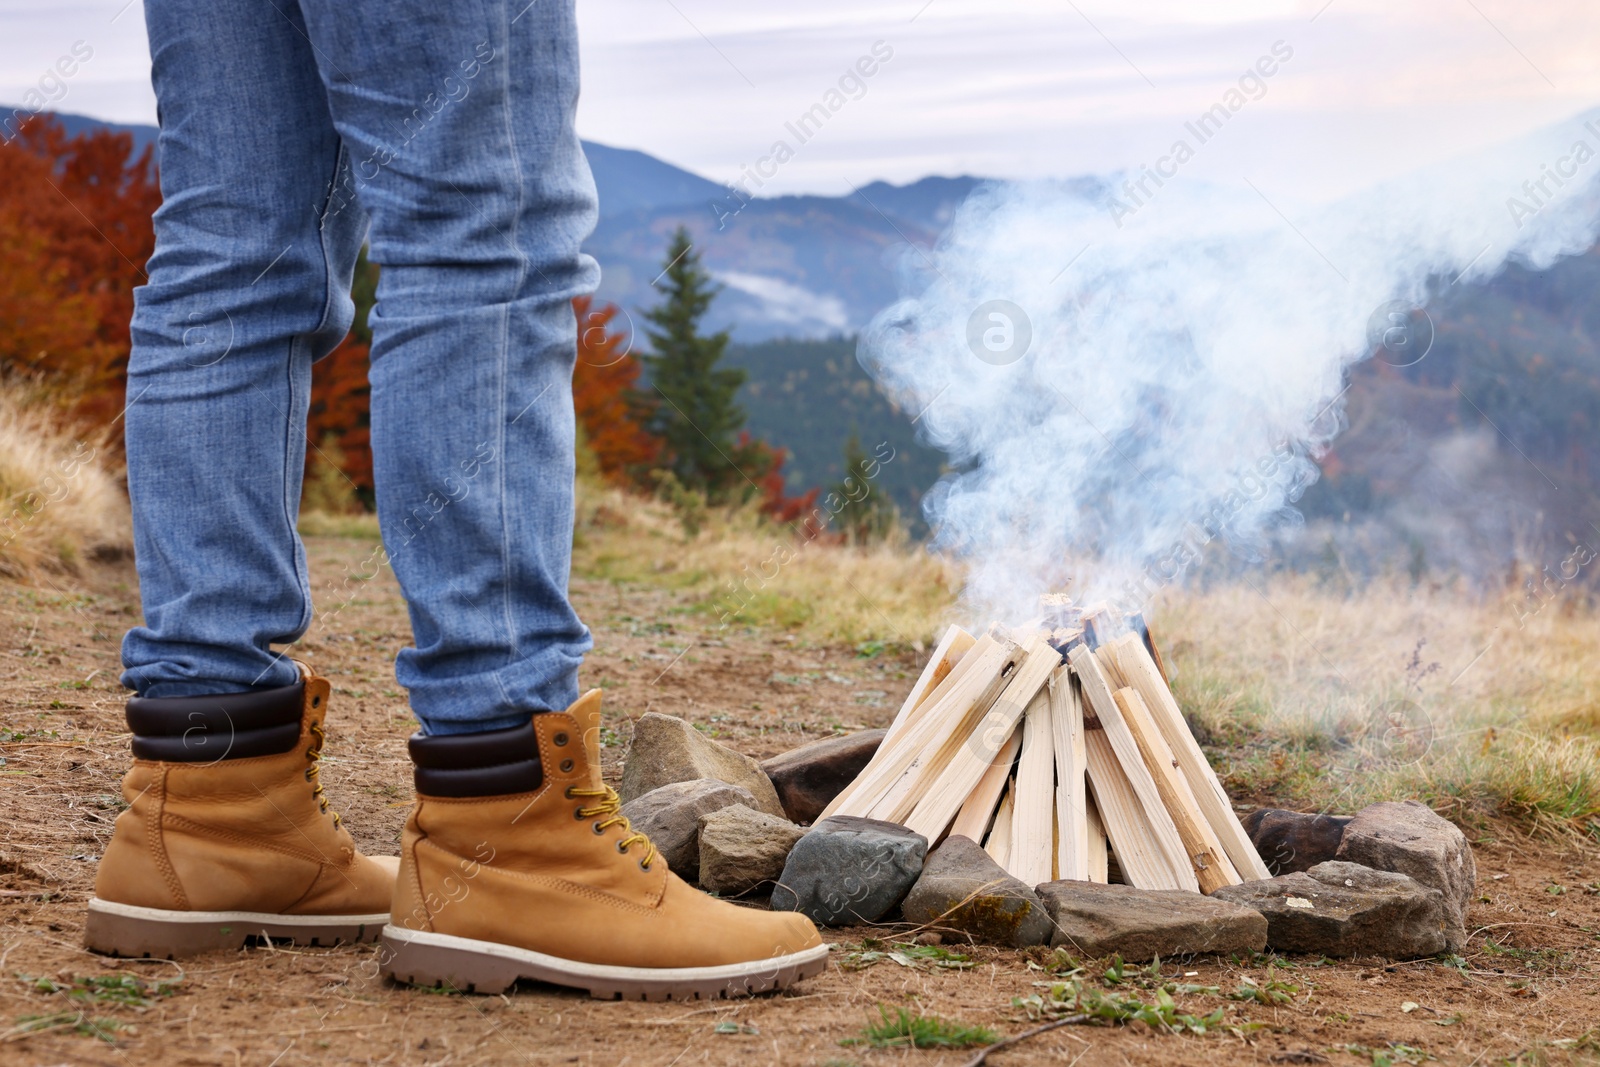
point(1527, 989)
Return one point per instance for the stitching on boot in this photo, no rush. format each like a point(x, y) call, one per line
point(422, 897)
point(156, 836)
point(316, 879)
point(560, 884)
point(178, 822)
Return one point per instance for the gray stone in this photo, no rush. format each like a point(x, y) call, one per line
point(670, 817)
point(809, 777)
point(961, 888)
point(667, 749)
point(848, 870)
point(1094, 920)
point(1345, 909)
point(1407, 837)
point(740, 848)
point(1290, 841)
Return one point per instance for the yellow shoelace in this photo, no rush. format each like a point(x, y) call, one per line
point(611, 806)
point(313, 772)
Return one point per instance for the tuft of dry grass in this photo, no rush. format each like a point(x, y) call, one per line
point(61, 498)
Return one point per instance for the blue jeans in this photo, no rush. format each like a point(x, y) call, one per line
point(287, 126)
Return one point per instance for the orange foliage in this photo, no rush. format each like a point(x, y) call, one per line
point(758, 456)
point(341, 411)
point(604, 384)
point(75, 233)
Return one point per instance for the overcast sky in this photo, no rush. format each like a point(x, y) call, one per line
point(1004, 88)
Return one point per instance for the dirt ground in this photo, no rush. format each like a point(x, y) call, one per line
point(1527, 989)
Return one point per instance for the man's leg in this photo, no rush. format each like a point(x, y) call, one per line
point(516, 860)
point(227, 833)
point(459, 120)
point(255, 244)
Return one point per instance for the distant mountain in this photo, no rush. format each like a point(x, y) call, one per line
point(629, 180)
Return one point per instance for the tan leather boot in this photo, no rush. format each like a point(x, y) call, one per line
point(227, 835)
point(516, 863)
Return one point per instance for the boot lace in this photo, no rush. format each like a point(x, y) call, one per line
point(610, 806)
point(313, 772)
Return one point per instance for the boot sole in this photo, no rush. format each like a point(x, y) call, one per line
point(127, 930)
point(471, 966)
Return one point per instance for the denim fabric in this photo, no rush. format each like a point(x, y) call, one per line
point(286, 128)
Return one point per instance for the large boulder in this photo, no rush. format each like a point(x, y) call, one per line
point(849, 870)
point(962, 888)
point(1409, 838)
point(740, 848)
point(670, 817)
point(1345, 909)
point(809, 777)
point(1290, 841)
point(1095, 920)
point(667, 749)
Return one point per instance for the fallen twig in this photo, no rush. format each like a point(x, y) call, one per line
point(984, 1053)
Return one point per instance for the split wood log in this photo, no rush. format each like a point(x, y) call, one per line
point(978, 810)
point(955, 643)
point(1211, 867)
point(1144, 862)
point(1033, 811)
point(1140, 671)
point(944, 743)
point(998, 844)
point(942, 797)
point(1099, 862)
point(1118, 741)
point(970, 676)
point(1072, 828)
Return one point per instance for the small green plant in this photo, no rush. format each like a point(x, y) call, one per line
point(1270, 994)
point(1073, 998)
point(729, 1026)
point(1388, 1056)
point(120, 989)
point(905, 1030)
point(906, 954)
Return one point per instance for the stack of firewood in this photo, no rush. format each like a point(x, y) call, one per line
point(1051, 747)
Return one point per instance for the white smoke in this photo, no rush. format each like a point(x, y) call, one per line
point(1183, 368)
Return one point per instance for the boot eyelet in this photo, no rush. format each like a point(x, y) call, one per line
point(560, 739)
point(643, 866)
point(308, 774)
point(598, 829)
point(566, 766)
point(316, 702)
point(622, 847)
point(569, 792)
point(579, 815)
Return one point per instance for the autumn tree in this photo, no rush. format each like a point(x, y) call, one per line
point(75, 221)
point(606, 397)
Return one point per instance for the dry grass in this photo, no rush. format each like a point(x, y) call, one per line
point(60, 500)
point(742, 571)
point(1329, 701)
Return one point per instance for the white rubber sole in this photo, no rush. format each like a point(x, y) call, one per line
point(472, 966)
point(132, 931)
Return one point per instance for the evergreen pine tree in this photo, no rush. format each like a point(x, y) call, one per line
point(695, 415)
point(867, 513)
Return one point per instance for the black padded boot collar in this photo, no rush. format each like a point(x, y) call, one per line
point(206, 729)
point(490, 764)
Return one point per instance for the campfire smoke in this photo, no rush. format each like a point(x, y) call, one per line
point(1113, 398)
